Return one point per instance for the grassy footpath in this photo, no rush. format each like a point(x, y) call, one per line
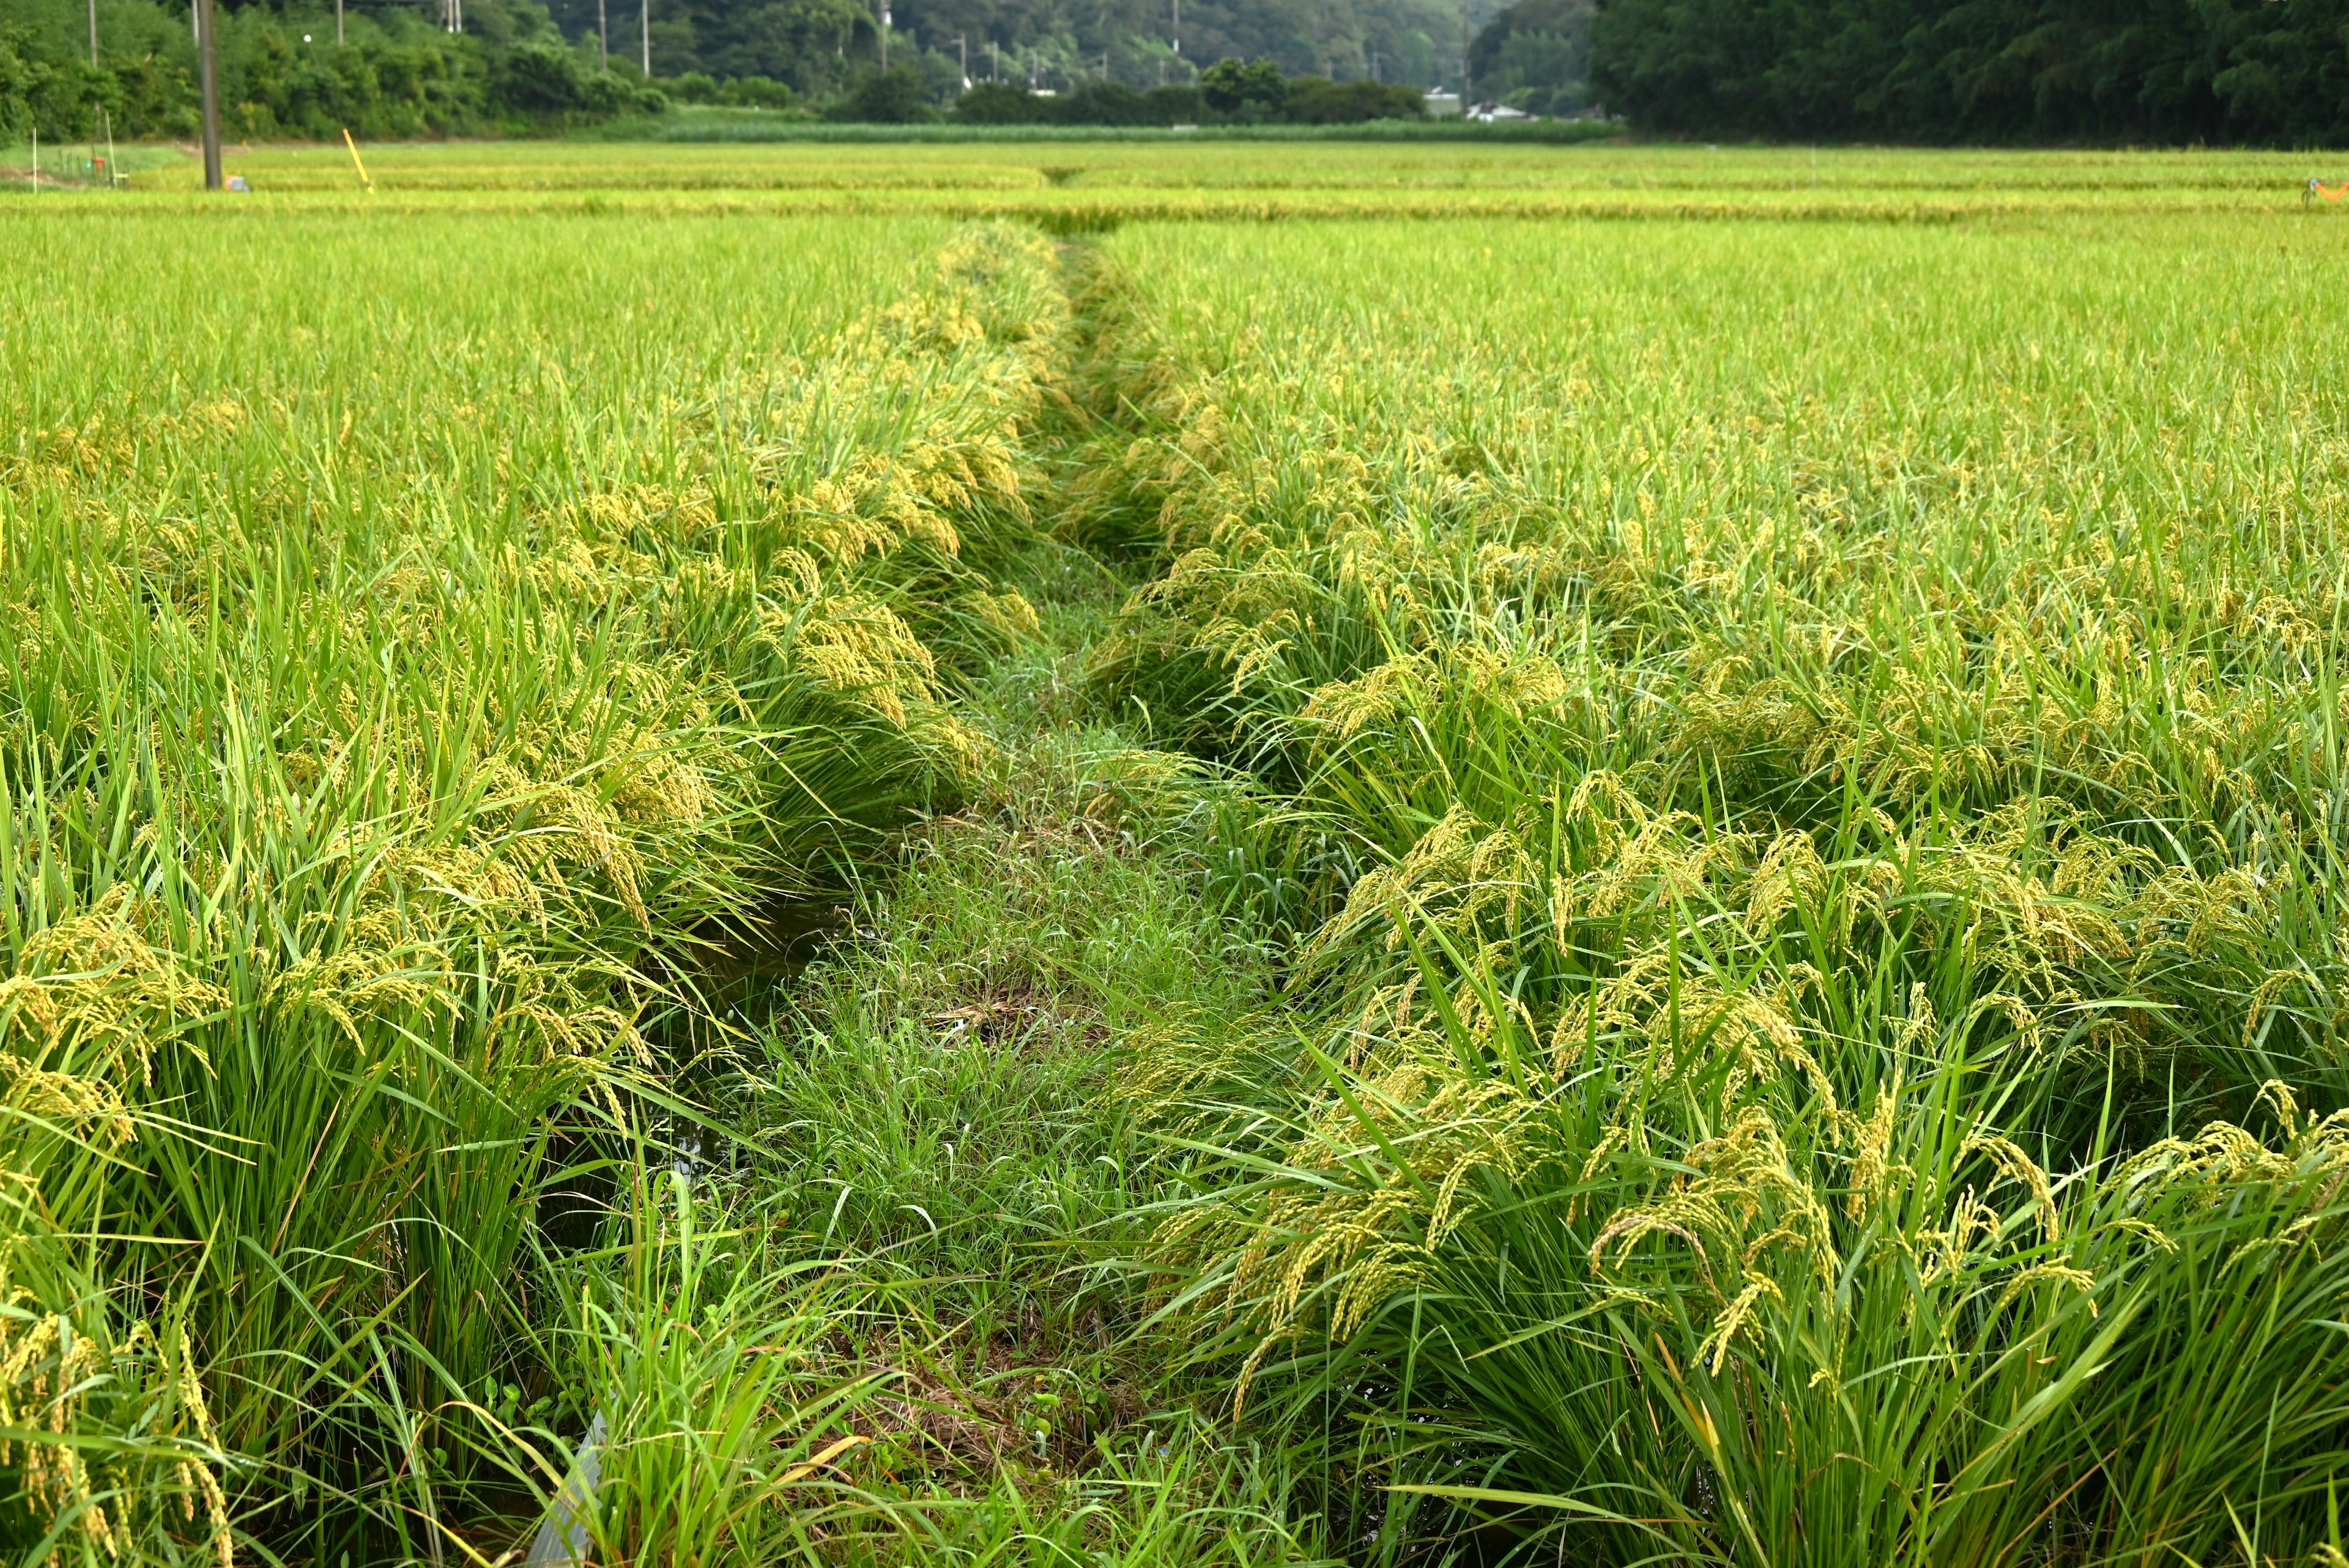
point(935, 1111)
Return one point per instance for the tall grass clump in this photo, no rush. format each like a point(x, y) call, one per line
point(402, 720)
point(1803, 772)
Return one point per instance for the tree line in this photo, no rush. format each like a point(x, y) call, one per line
point(1229, 92)
point(2104, 71)
point(389, 69)
point(2158, 71)
point(1535, 55)
point(821, 49)
point(397, 71)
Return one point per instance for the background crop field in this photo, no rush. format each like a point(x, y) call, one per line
point(1254, 853)
point(1077, 184)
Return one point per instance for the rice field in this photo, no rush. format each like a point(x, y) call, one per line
point(880, 854)
point(1803, 775)
point(1081, 187)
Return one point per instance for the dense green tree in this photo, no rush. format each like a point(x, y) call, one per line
point(1107, 103)
point(2273, 71)
point(1229, 90)
point(543, 77)
point(998, 103)
point(818, 46)
point(1535, 55)
point(897, 96)
point(1318, 100)
point(519, 64)
point(1244, 88)
point(398, 73)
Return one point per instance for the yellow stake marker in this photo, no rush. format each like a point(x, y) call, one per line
point(802, 1472)
point(355, 160)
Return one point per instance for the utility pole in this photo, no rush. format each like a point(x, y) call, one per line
point(1465, 42)
point(93, 34)
point(1178, 26)
point(208, 70)
point(962, 48)
point(645, 30)
point(884, 35)
point(603, 37)
point(338, 24)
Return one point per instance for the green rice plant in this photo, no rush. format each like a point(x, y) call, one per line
point(365, 842)
point(1806, 829)
point(111, 1445)
point(1710, 844)
point(1701, 1288)
point(723, 1436)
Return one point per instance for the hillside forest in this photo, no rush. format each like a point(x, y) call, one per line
point(519, 66)
point(2161, 72)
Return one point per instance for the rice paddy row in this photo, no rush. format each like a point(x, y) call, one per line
point(1805, 770)
point(1080, 186)
point(408, 701)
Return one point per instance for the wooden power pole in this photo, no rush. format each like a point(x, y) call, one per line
point(208, 69)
